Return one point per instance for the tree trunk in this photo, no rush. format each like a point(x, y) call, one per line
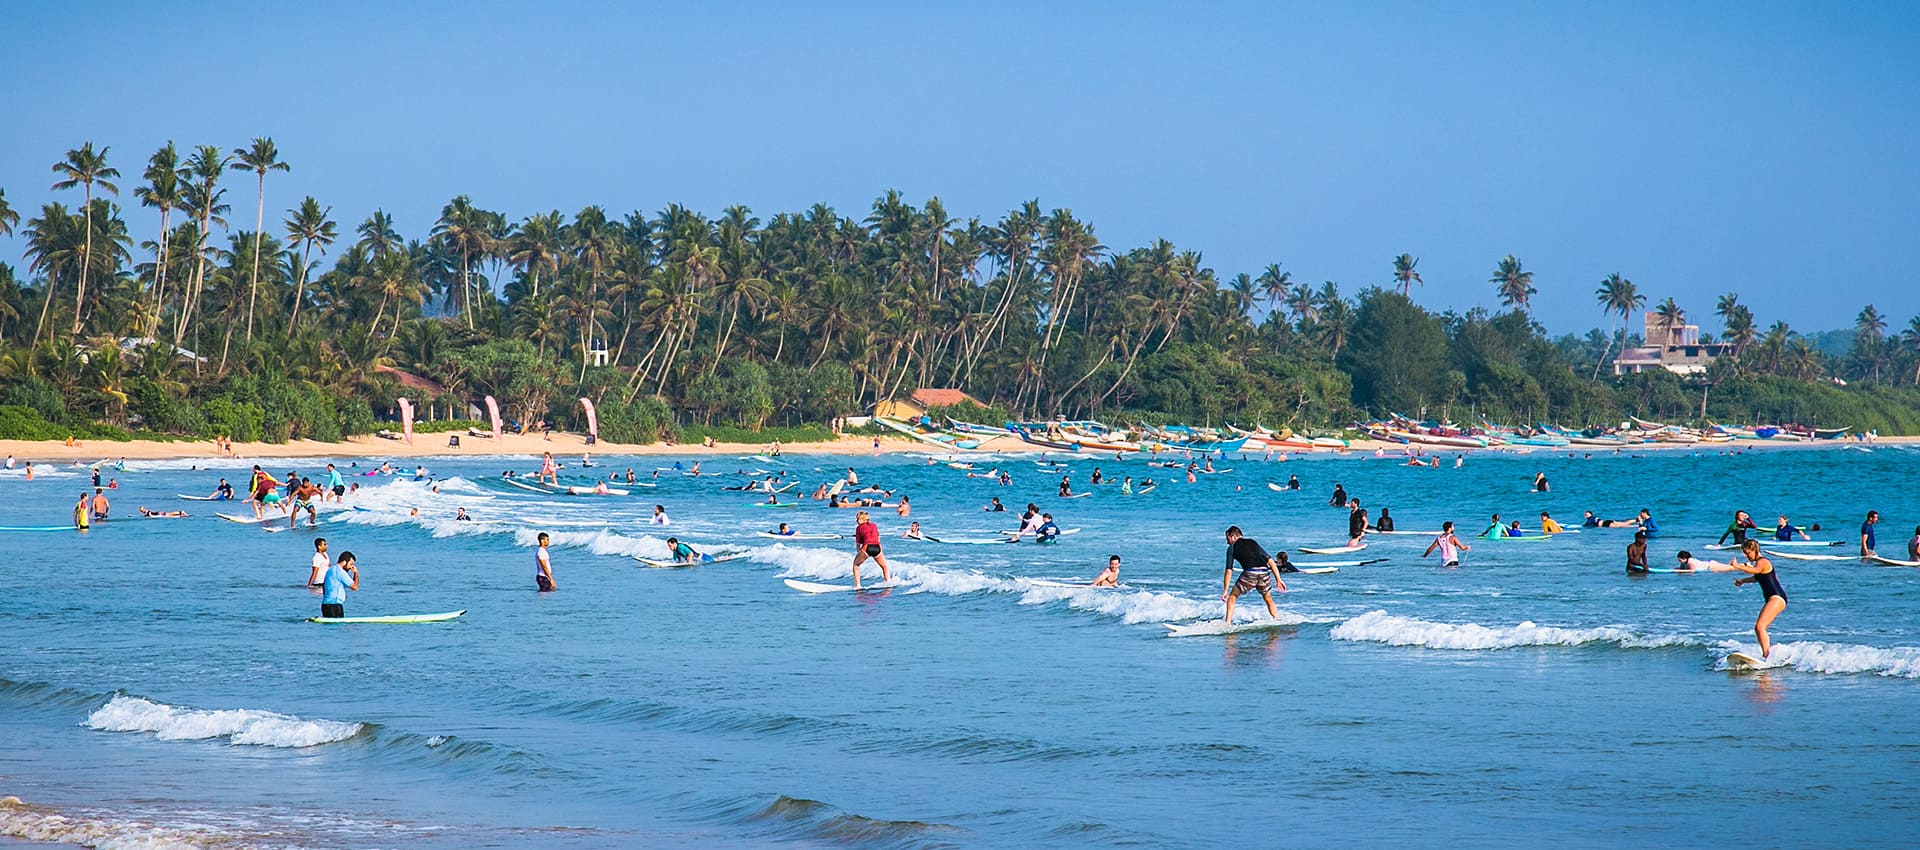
point(253, 286)
point(86, 262)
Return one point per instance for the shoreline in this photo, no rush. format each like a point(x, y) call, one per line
point(564, 444)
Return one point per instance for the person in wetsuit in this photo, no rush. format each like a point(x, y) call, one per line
point(1742, 523)
point(1384, 523)
point(1356, 523)
point(1257, 570)
point(1339, 499)
point(1293, 482)
point(1540, 483)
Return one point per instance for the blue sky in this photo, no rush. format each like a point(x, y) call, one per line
point(1765, 148)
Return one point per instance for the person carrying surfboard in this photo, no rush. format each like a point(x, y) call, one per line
point(1256, 573)
point(543, 567)
point(341, 577)
point(866, 544)
point(1449, 544)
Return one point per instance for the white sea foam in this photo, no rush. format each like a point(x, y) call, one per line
point(1821, 657)
point(36, 823)
point(239, 726)
point(597, 542)
point(1381, 627)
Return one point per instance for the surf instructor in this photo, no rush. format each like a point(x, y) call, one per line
point(866, 544)
point(1256, 572)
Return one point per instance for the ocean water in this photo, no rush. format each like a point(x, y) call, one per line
point(160, 687)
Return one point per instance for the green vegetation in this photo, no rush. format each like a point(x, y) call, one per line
point(680, 326)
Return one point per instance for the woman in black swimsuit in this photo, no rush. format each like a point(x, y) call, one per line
point(1759, 571)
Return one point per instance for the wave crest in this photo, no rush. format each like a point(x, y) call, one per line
point(239, 726)
point(1381, 627)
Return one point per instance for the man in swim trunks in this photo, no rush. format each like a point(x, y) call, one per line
point(1637, 553)
point(866, 544)
point(1109, 577)
point(1449, 545)
point(303, 497)
point(100, 505)
point(1867, 538)
point(1256, 573)
point(543, 568)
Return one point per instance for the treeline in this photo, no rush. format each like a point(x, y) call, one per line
point(182, 323)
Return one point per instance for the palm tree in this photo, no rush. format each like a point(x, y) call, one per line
point(468, 231)
point(1617, 296)
point(1911, 336)
point(8, 218)
point(259, 158)
point(85, 167)
point(1671, 317)
point(534, 246)
point(1515, 284)
point(1869, 329)
point(307, 228)
point(378, 236)
point(204, 199)
point(162, 191)
point(1275, 284)
point(1404, 271)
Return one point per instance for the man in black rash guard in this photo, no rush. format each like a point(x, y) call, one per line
point(1356, 523)
point(1339, 499)
point(1256, 573)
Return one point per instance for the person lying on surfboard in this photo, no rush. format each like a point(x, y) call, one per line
point(684, 554)
point(152, 514)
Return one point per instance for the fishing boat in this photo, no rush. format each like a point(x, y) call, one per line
point(960, 427)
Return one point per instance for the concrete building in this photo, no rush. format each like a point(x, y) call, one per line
point(1673, 346)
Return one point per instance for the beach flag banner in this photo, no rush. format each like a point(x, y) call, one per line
point(406, 419)
point(493, 412)
point(593, 421)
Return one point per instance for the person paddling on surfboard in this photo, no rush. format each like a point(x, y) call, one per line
point(1449, 544)
point(341, 577)
point(1256, 573)
point(866, 544)
point(684, 554)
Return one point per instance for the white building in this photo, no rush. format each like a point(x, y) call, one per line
point(1673, 346)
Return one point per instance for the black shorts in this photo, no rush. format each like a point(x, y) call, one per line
point(872, 550)
point(339, 489)
point(543, 583)
point(335, 610)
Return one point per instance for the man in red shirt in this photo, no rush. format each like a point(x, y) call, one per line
point(866, 544)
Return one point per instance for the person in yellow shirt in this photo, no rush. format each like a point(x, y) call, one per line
point(1548, 526)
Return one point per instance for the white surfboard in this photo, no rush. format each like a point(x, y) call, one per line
point(1047, 582)
point(1333, 550)
point(243, 520)
point(1434, 533)
point(816, 587)
point(589, 491)
point(1740, 662)
point(1316, 571)
point(1221, 627)
point(1796, 556)
point(1304, 565)
point(195, 498)
point(1773, 544)
point(798, 536)
point(1078, 495)
point(1892, 562)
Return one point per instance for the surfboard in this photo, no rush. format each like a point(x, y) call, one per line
point(1220, 627)
point(1892, 562)
point(529, 487)
point(1145, 490)
point(1315, 571)
point(195, 498)
point(1304, 565)
point(1740, 662)
point(1276, 488)
point(1078, 495)
point(36, 528)
point(776, 505)
point(815, 587)
point(1522, 537)
point(1772, 544)
point(1046, 582)
point(589, 491)
point(716, 559)
point(243, 520)
point(1796, 556)
point(1063, 532)
point(798, 536)
point(397, 618)
point(1333, 550)
point(274, 529)
point(1407, 533)
point(1661, 570)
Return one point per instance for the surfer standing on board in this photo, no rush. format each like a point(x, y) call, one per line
point(866, 544)
point(1256, 573)
point(1759, 571)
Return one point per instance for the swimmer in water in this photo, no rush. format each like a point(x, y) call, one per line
point(1109, 577)
point(1449, 544)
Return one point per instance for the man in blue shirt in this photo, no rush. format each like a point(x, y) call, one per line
point(1647, 524)
point(341, 577)
point(1867, 540)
